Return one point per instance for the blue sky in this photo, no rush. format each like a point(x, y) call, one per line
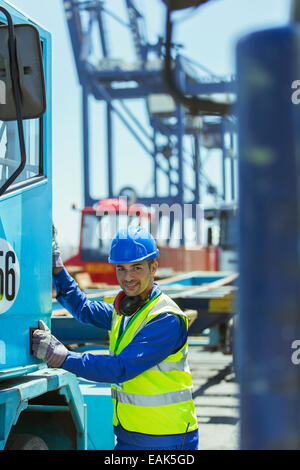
point(209, 36)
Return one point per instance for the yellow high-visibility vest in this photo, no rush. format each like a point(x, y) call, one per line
point(159, 400)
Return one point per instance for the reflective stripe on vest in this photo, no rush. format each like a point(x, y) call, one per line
point(152, 400)
point(166, 366)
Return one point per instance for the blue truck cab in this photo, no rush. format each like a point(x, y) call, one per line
point(25, 228)
point(40, 408)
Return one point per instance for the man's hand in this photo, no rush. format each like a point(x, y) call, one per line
point(57, 263)
point(45, 346)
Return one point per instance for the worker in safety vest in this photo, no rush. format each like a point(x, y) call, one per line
point(147, 365)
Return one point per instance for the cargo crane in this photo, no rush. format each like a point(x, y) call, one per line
point(113, 82)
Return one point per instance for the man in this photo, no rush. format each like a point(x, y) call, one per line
point(147, 366)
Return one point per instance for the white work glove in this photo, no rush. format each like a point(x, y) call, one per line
point(56, 254)
point(45, 346)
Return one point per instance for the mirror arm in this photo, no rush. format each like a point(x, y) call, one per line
point(17, 99)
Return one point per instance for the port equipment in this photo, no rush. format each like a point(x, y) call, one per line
point(177, 141)
point(40, 408)
point(112, 81)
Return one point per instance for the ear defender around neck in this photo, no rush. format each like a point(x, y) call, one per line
point(125, 305)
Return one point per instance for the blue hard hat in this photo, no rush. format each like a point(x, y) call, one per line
point(132, 244)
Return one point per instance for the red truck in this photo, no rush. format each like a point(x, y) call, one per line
point(99, 225)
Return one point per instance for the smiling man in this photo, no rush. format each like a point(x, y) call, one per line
point(147, 366)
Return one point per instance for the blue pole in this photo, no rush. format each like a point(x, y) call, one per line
point(224, 186)
point(110, 154)
point(180, 184)
point(86, 145)
point(155, 166)
point(269, 305)
point(180, 128)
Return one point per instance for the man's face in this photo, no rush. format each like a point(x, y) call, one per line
point(135, 278)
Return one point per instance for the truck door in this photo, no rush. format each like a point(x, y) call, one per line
point(25, 192)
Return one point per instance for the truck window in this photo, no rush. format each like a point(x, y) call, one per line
point(10, 151)
point(96, 237)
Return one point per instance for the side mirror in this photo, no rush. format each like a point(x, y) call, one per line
point(29, 69)
point(22, 84)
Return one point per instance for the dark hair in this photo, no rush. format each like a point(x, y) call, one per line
point(151, 260)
